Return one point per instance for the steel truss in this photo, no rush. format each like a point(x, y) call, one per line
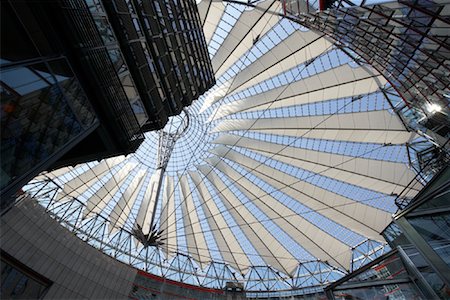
point(310, 276)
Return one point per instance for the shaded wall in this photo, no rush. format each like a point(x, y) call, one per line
point(77, 270)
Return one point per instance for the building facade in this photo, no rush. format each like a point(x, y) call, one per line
point(82, 80)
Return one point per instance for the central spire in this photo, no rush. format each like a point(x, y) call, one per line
point(168, 136)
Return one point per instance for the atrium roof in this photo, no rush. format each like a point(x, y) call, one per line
point(295, 155)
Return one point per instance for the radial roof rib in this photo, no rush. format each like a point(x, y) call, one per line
point(292, 51)
point(330, 92)
point(167, 223)
point(295, 50)
point(267, 246)
point(229, 247)
point(78, 185)
point(357, 216)
point(378, 127)
point(250, 24)
point(212, 19)
point(353, 89)
point(377, 175)
point(203, 9)
point(330, 78)
point(314, 240)
point(98, 201)
point(122, 209)
point(59, 172)
point(54, 174)
point(148, 202)
point(195, 238)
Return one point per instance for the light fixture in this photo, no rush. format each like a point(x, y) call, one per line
point(433, 108)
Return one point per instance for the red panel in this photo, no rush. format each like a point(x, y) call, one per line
point(180, 284)
point(321, 5)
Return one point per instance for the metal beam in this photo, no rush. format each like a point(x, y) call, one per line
point(422, 284)
point(371, 283)
point(435, 261)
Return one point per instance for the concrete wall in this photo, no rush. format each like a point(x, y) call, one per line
point(78, 270)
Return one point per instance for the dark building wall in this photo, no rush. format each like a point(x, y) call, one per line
point(92, 49)
point(117, 68)
point(164, 47)
point(44, 109)
point(54, 95)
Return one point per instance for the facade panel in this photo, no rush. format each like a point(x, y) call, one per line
point(82, 80)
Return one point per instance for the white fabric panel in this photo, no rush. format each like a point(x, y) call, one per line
point(295, 50)
point(78, 185)
point(215, 94)
point(167, 221)
point(267, 246)
point(358, 136)
point(203, 8)
point(365, 127)
point(213, 17)
point(318, 243)
point(359, 217)
point(357, 88)
point(61, 171)
point(195, 239)
point(122, 209)
point(54, 174)
point(146, 209)
point(230, 249)
point(363, 121)
point(326, 79)
point(381, 176)
point(250, 24)
point(100, 199)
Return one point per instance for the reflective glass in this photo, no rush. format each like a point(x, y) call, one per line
point(18, 284)
point(404, 291)
point(435, 229)
point(37, 119)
